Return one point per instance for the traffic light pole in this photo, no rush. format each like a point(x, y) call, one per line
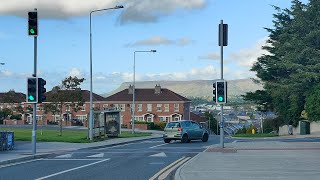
point(34, 122)
point(221, 115)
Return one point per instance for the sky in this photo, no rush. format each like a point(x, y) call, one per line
point(183, 32)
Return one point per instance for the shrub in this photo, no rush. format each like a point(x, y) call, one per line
point(249, 130)
point(16, 116)
point(159, 126)
point(52, 123)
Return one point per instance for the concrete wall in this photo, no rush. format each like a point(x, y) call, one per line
point(314, 129)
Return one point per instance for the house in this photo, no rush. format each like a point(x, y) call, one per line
point(99, 103)
point(151, 105)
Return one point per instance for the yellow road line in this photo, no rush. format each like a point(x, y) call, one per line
point(164, 169)
point(165, 174)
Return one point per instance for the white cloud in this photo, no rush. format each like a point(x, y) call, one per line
point(75, 72)
point(211, 56)
point(134, 11)
point(158, 40)
point(247, 57)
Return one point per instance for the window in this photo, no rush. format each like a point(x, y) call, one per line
point(38, 107)
point(14, 108)
point(83, 108)
point(149, 107)
point(82, 117)
point(56, 118)
point(139, 107)
point(176, 107)
point(195, 125)
point(8, 106)
point(173, 125)
point(164, 118)
point(159, 107)
point(116, 106)
point(149, 119)
point(105, 107)
point(1, 107)
point(177, 118)
point(166, 108)
point(67, 107)
point(138, 118)
point(39, 117)
point(122, 107)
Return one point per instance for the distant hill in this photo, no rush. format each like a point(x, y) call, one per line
point(197, 88)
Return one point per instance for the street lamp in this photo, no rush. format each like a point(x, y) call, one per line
point(134, 81)
point(91, 106)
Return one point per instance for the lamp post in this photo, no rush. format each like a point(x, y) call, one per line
point(91, 106)
point(134, 81)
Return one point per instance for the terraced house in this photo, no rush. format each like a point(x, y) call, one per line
point(151, 105)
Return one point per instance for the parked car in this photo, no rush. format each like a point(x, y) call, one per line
point(184, 130)
point(76, 122)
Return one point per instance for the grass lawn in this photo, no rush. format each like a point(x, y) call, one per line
point(255, 135)
point(72, 136)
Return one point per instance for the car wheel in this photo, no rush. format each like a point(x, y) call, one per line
point(189, 140)
point(205, 137)
point(167, 140)
point(184, 138)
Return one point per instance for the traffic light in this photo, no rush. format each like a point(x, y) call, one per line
point(214, 92)
point(41, 90)
point(224, 40)
point(33, 23)
point(32, 94)
point(221, 92)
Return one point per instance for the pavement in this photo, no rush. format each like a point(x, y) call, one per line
point(23, 150)
point(256, 159)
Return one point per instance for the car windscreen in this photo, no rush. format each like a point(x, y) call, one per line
point(173, 125)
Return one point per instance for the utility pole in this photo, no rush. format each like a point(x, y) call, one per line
point(223, 29)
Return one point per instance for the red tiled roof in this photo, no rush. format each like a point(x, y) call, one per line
point(147, 95)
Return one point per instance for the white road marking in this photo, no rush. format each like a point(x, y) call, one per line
point(64, 156)
point(71, 159)
point(156, 163)
point(235, 141)
point(157, 146)
point(165, 174)
point(162, 154)
point(117, 146)
point(167, 167)
point(62, 172)
point(100, 155)
point(24, 162)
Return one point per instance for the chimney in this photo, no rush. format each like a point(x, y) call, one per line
point(130, 89)
point(157, 89)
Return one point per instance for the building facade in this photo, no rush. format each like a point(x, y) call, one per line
point(151, 105)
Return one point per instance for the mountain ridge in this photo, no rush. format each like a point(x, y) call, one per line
point(196, 88)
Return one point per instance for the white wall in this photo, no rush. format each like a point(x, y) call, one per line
point(314, 129)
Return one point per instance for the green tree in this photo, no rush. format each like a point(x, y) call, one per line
point(213, 122)
point(68, 93)
point(313, 104)
point(291, 67)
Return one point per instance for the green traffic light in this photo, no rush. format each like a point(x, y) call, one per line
point(31, 98)
point(220, 99)
point(32, 31)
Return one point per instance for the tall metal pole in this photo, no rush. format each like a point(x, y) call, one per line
point(91, 104)
point(221, 115)
point(90, 113)
point(134, 87)
point(34, 126)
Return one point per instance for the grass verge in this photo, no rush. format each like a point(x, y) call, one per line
point(72, 136)
point(255, 135)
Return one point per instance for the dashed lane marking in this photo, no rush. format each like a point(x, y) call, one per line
point(157, 146)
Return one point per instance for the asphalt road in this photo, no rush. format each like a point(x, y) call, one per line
point(152, 159)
